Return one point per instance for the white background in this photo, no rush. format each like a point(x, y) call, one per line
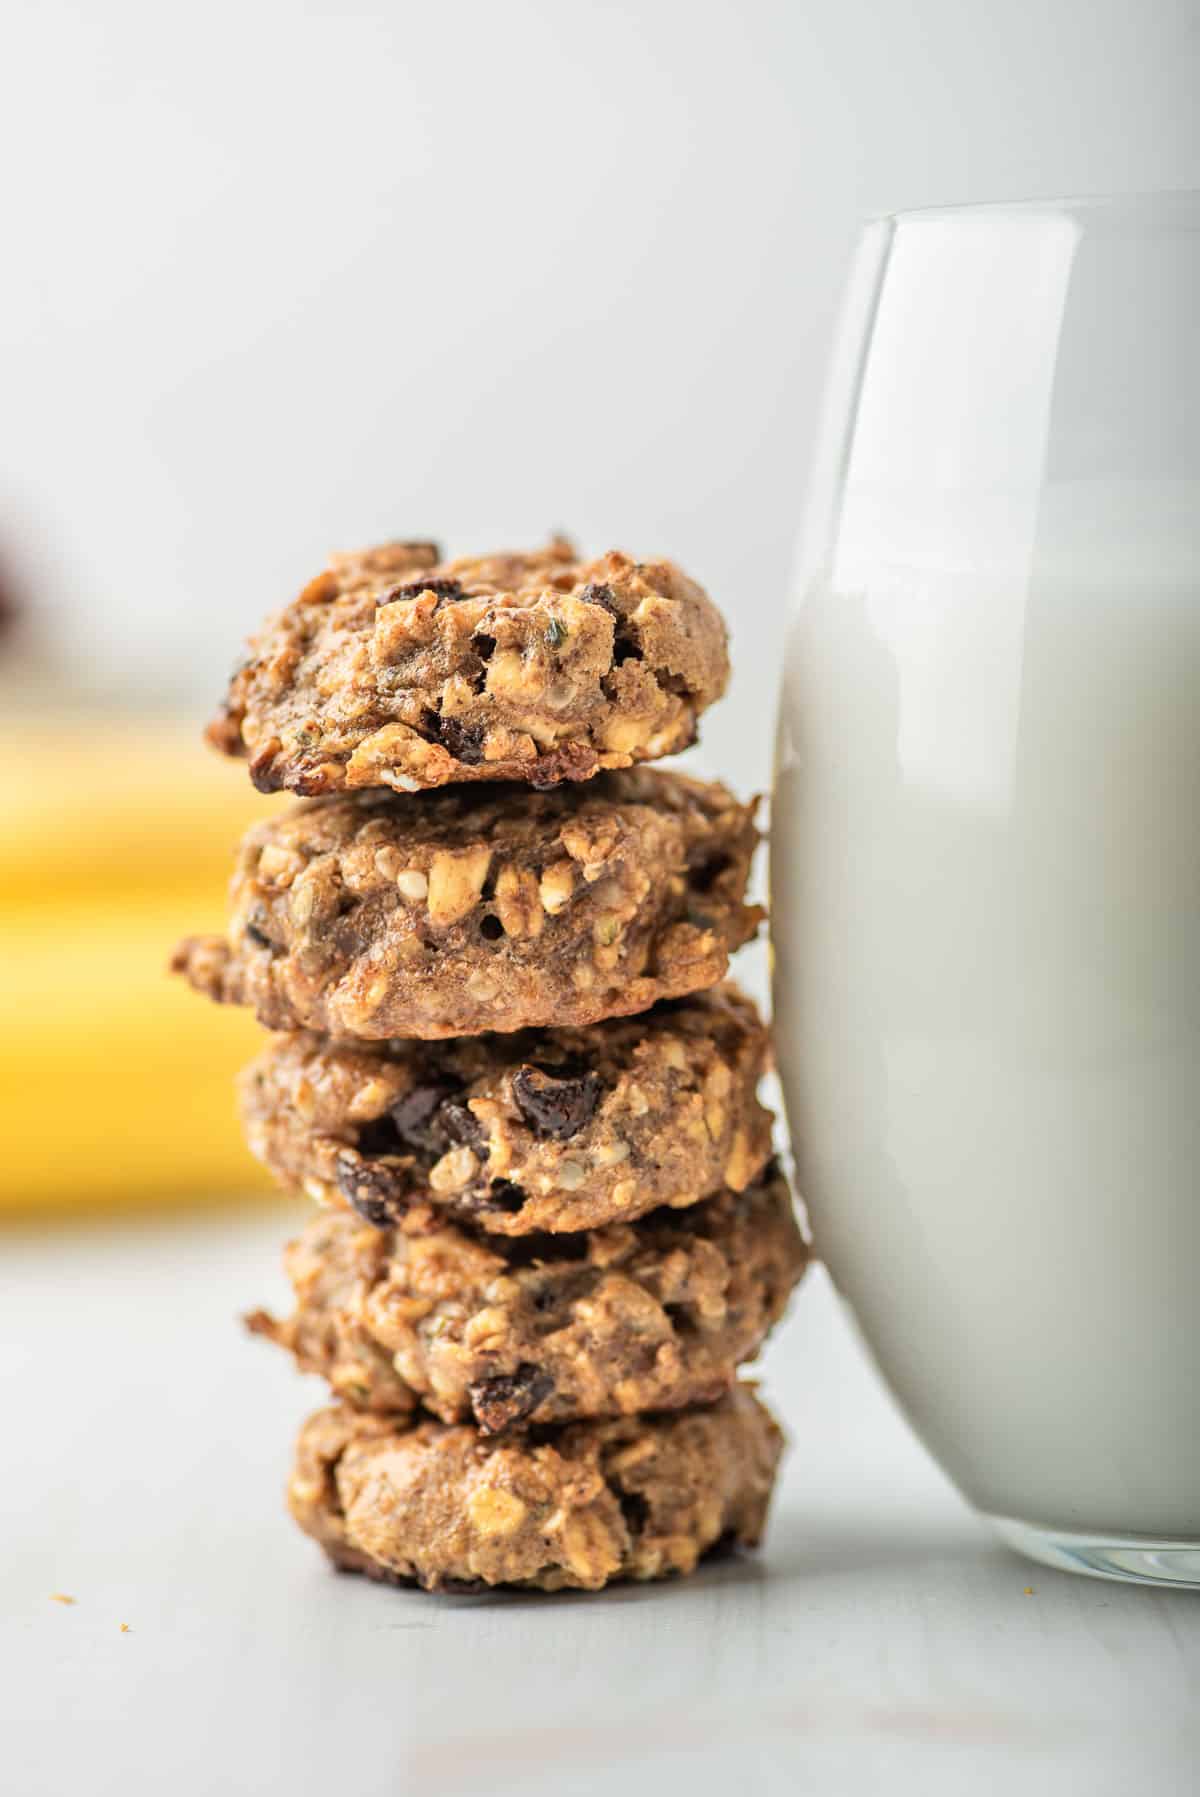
point(282, 278)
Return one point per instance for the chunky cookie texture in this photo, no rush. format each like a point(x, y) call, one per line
point(393, 668)
point(654, 1315)
point(373, 916)
point(441, 1506)
point(538, 1130)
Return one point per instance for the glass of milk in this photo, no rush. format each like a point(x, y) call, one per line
point(986, 860)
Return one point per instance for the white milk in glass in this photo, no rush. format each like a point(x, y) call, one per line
point(986, 919)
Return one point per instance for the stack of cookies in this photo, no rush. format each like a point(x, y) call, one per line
point(506, 1066)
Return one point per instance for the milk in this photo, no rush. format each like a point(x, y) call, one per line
point(985, 874)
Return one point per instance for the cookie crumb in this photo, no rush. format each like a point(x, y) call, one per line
point(60, 1597)
point(1028, 1591)
point(125, 1629)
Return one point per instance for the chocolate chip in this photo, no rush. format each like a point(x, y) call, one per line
point(540, 1246)
point(483, 645)
point(262, 771)
point(463, 1127)
point(625, 644)
point(376, 1191)
point(413, 1116)
point(258, 937)
point(447, 591)
point(490, 928)
point(509, 1398)
point(553, 1106)
point(427, 1121)
point(378, 1137)
point(502, 1194)
point(704, 877)
point(597, 593)
point(464, 741)
point(635, 1510)
point(309, 786)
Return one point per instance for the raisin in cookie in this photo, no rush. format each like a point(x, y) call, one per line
point(393, 668)
point(441, 1506)
point(538, 1130)
point(477, 909)
point(654, 1315)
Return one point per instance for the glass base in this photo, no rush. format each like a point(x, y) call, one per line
point(1135, 1559)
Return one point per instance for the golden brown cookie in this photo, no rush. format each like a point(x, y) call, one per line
point(441, 1506)
point(479, 908)
point(537, 1130)
point(503, 1331)
point(393, 668)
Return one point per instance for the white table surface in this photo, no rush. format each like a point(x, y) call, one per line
point(882, 1641)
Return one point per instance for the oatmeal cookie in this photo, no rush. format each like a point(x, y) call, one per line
point(441, 1506)
point(537, 1130)
point(393, 668)
point(503, 1331)
point(373, 916)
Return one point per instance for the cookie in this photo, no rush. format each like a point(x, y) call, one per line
point(503, 1332)
point(393, 668)
point(441, 1506)
point(477, 909)
point(538, 1130)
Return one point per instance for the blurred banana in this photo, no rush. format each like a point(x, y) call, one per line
point(116, 1083)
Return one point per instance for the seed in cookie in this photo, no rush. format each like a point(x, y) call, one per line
point(665, 1113)
point(652, 1315)
point(538, 908)
point(436, 1505)
point(396, 669)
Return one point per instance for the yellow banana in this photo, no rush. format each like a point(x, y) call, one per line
point(115, 1080)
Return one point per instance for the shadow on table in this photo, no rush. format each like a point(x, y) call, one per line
point(811, 1547)
point(799, 1547)
point(868, 1552)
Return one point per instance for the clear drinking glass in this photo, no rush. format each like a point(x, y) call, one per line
point(986, 860)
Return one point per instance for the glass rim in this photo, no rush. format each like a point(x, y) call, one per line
point(1137, 200)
